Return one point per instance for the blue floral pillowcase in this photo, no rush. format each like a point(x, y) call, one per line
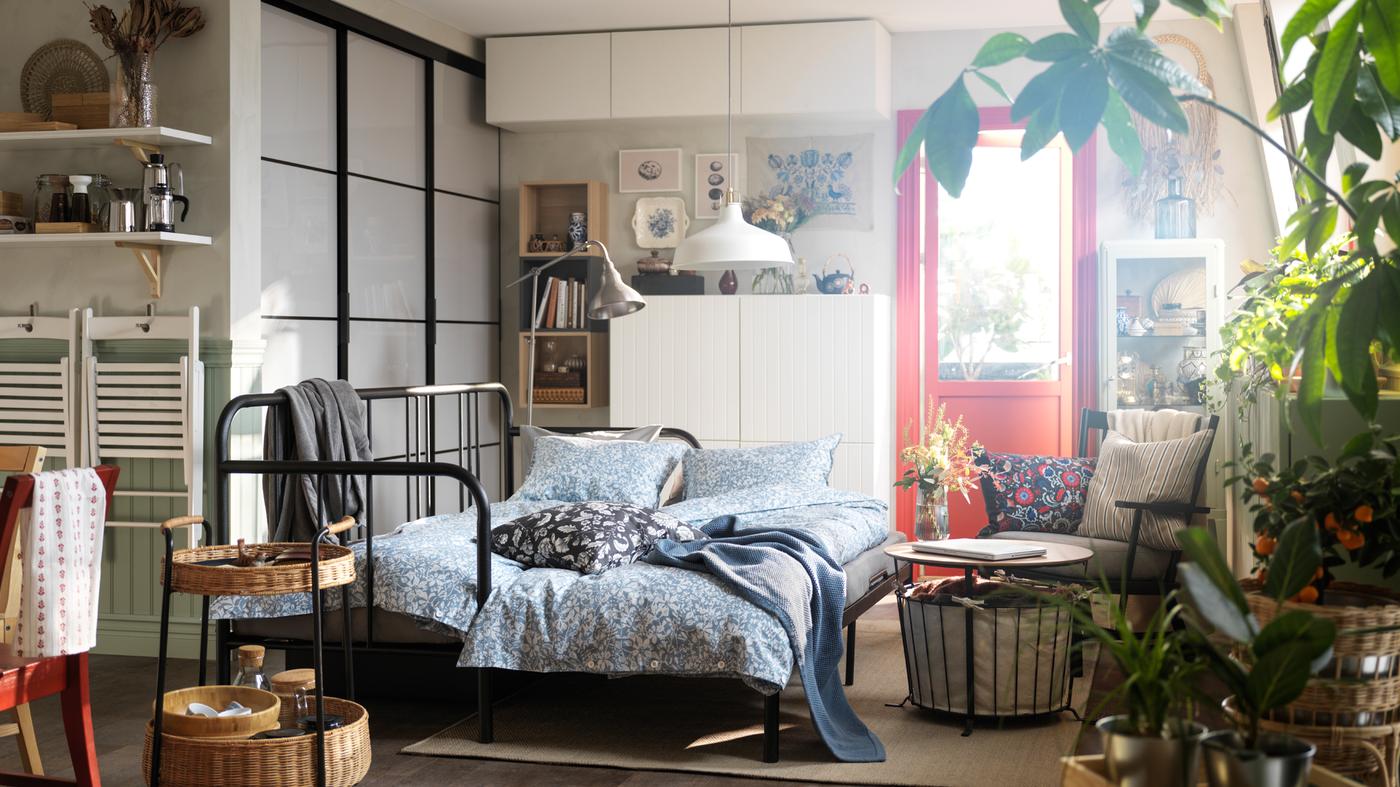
point(715, 471)
point(618, 471)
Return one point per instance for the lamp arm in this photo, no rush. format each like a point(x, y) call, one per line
point(574, 252)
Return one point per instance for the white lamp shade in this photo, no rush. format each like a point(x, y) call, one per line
point(732, 244)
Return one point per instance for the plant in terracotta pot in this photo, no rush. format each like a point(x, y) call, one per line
point(1266, 667)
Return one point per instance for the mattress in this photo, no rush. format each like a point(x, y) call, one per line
point(867, 570)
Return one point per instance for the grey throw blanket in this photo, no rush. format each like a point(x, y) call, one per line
point(326, 419)
point(790, 574)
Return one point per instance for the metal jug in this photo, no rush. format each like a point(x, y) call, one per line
point(122, 213)
point(164, 185)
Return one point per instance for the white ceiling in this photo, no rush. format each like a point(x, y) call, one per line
point(486, 18)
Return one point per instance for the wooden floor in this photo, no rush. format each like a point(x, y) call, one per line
point(122, 688)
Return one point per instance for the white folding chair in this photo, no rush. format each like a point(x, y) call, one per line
point(39, 403)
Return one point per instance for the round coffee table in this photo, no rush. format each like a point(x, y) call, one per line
point(1055, 555)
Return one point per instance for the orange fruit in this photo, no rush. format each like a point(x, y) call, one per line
point(1308, 595)
point(1297, 496)
point(1317, 574)
point(1260, 485)
point(1263, 575)
point(1332, 523)
point(1265, 544)
point(1351, 539)
point(1363, 513)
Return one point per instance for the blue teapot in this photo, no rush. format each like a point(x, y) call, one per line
point(836, 282)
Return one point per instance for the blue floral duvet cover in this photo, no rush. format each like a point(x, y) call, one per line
point(636, 618)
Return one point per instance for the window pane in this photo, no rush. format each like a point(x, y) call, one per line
point(999, 257)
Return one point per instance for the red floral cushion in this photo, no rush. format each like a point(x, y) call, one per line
point(1033, 493)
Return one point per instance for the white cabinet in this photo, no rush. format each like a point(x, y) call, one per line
point(762, 369)
point(824, 68)
point(673, 73)
point(548, 78)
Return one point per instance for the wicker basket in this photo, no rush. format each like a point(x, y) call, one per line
point(286, 762)
point(1351, 708)
point(337, 568)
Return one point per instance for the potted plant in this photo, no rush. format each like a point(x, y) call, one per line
point(942, 461)
point(1266, 667)
point(782, 215)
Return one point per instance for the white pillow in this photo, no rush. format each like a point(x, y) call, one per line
point(1157, 472)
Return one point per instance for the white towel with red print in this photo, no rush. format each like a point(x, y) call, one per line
point(61, 553)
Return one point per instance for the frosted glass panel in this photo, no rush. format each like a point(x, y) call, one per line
point(451, 493)
point(386, 251)
point(297, 350)
point(298, 242)
point(466, 271)
point(386, 111)
point(468, 354)
point(387, 354)
point(298, 89)
point(466, 150)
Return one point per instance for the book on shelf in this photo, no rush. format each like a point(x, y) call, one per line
point(543, 304)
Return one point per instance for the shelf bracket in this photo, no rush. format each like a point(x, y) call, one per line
point(148, 257)
point(141, 150)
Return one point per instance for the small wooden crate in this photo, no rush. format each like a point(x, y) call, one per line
point(63, 227)
point(84, 110)
point(11, 204)
point(1090, 771)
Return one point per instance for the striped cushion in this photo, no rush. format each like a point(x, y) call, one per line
point(1142, 473)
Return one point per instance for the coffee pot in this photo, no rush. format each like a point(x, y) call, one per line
point(163, 185)
point(122, 213)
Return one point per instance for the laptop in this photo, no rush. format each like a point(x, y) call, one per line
point(980, 548)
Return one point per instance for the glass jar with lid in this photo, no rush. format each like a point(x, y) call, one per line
point(51, 198)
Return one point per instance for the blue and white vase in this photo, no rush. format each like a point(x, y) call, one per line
point(578, 230)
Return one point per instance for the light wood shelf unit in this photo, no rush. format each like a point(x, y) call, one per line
point(594, 349)
point(146, 246)
point(545, 206)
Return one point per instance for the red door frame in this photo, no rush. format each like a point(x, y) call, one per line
point(1081, 301)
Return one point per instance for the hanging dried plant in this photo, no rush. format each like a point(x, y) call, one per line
point(1194, 156)
point(144, 26)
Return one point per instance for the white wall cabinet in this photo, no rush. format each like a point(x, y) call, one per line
point(549, 78)
point(756, 370)
point(822, 69)
point(692, 61)
point(828, 68)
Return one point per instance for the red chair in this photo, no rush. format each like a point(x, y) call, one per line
point(25, 680)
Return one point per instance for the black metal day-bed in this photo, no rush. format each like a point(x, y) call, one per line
point(435, 435)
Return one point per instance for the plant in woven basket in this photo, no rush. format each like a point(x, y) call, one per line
point(1351, 505)
point(134, 37)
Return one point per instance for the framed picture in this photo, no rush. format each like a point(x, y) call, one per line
point(659, 222)
point(715, 174)
point(657, 169)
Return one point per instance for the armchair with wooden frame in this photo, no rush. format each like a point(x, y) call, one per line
point(23, 680)
point(1128, 567)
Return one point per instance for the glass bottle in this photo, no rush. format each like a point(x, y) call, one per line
point(1176, 213)
point(250, 667)
point(50, 198)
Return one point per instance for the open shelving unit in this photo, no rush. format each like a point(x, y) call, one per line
point(147, 247)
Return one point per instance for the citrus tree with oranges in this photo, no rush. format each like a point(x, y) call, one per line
point(1353, 504)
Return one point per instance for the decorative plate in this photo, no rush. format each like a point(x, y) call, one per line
point(660, 222)
point(1186, 287)
point(62, 66)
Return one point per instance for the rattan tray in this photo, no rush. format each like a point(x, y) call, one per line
point(289, 762)
point(337, 568)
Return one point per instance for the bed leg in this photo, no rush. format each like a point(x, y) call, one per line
point(851, 654)
point(770, 728)
point(484, 731)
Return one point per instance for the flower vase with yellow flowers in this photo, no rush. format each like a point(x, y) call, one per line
point(942, 461)
point(781, 215)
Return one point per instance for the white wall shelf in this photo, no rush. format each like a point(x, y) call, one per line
point(145, 245)
point(141, 141)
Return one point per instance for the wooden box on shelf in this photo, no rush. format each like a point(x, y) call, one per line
point(84, 110)
point(545, 206)
point(558, 380)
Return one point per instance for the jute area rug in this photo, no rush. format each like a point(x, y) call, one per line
point(715, 726)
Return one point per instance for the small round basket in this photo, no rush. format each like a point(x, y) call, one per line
point(265, 706)
point(189, 575)
point(285, 762)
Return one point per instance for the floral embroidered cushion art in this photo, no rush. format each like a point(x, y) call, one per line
point(1033, 493)
point(587, 537)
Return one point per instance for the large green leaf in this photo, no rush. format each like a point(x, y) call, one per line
point(1388, 302)
point(1083, 106)
point(1361, 131)
point(1295, 560)
point(914, 142)
point(1322, 226)
point(1122, 134)
point(1057, 46)
point(1210, 10)
point(1040, 129)
point(1379, 105)
point(1339, 55)
point(1136, 49)
point(993, 84)
point(1313, 367)
point(952, 134)
point(1390, 215)
point(1316, 633)
point(1213, 585)
point(1381, 21)
point(1045, 88)
point(1001, 48)
point(1148, 95)
point(1356, 327)
point(1279, 676)
point(1297, 95)
point(1081, 19)
point(1143, 10)
point(1304, 21)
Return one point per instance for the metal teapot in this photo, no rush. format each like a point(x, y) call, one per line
point(837, 282)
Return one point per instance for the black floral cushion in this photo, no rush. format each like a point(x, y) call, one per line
point(587, 537)
point(1033, 493)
